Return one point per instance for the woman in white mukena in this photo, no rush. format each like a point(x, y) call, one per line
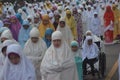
point(35, 49)
point(58, 62)
point(17, 66)
point(3, 52)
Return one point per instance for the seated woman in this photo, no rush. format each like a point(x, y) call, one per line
point(17, 66)
point(47, 38)
point(58, 62)
point(35, 49)
point(78, 58)
point(24, 33)
point(89, 54)
point(96, 40)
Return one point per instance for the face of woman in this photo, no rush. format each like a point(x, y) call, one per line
point(6, 25)
point(45, 22)
point(36, 20)
point(74, 48)
point(68, 16)
point(57, 43)
point(89, 42)
point(48, 37)
point(29, 19)
point(34, 39)
point(14, 58)
point(88, 34)
point(13, 20)
point(25, 26)
point(3, 39)
point(62, 24)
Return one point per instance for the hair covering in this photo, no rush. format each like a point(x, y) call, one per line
point(6, 34)
point(2, 57)
point(116, 12)
point(89, 51)
point(18, 15)
point(24, 33)
point(35, 51)
point(42, 27)
point(108, 16)
point(49, 32)
point(2, 29)
point(15, 27)
point(71, 23)
point(22, 71)
point(74, 43)
point(34, 32)
point(57, 58)
point(67, 34)
point(6, 21)
point(45, 17)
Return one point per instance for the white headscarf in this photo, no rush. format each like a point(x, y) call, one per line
point(89, 51)
point(67, 34)
point(2, 57)
point(22, 71)
point(55, 58)
point(7, 34)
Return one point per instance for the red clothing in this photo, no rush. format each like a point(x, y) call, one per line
point(108, 18)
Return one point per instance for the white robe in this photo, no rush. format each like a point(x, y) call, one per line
point(95, 26)
point(58, 64)
point(89, 51)
point(2, 57)
point(35, 52)
point(22, 71)
point(67, 34)
point(89, 16)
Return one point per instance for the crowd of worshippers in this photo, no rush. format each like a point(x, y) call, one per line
point(55, 41)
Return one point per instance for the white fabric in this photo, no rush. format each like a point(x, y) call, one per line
point(2, 57)
point(35, 51)
point(95, 26)
point(7, 34)
point(1, 24)
point(67, 34)
point(89, 51)
point(24, 15)
point(22, 71)
point(34, 32)
point(89, 15)
point(58, 63)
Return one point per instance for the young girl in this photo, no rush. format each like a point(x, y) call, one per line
point(3, 52)
point(78, 58)
point(47, 37)
point(17, 66)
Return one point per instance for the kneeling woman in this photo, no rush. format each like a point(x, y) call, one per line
point(17, 66)
point(58, 62)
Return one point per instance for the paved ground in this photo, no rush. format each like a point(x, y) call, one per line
point(112, 53)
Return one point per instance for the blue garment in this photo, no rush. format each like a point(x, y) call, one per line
point(48, 31)
point(18, 15)
point(24, 34)
point(78, 62)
